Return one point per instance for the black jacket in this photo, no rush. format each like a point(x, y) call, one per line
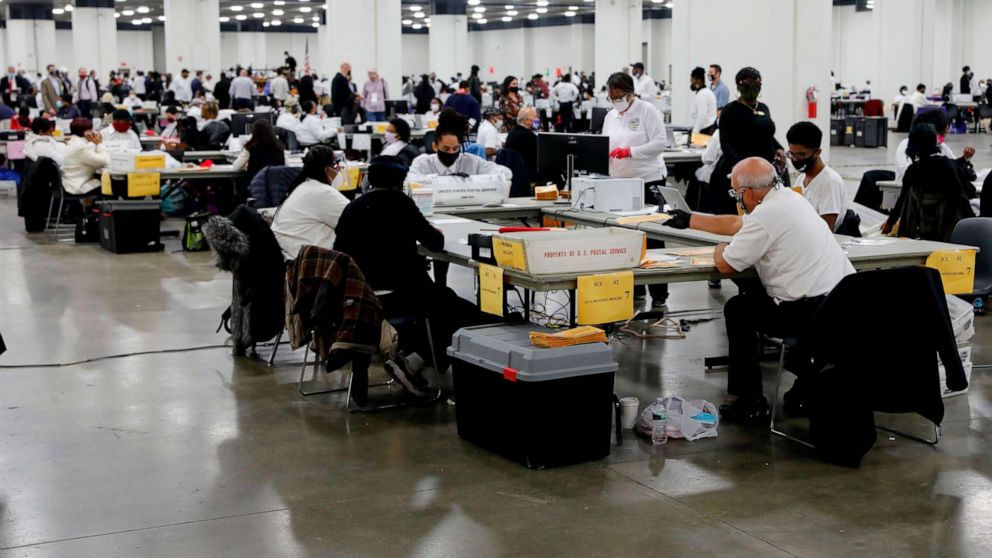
point(222, 92)
point(892, 368)
point(380, 230)
point(475, 87)
point(934, 197)
point(524, 142)
point(41, 177)
point(245, 246)
point(20, 83)
point(340, 92)
point(214, 135)
point(408, 154)
point(744, 132)
point(424, 94)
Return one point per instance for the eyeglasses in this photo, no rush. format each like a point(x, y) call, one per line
point(806, 155)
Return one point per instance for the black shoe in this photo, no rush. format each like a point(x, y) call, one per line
point(714, 284)
point(752, 411)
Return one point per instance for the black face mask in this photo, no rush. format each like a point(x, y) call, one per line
point(447, 159)
point(749, 93)
point(514, 89)
point(803, 165)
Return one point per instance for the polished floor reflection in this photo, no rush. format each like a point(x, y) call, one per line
point(197, 454)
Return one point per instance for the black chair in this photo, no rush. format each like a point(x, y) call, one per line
point(59, 193)
point(34, 196)
point(429, 142)
point(977, 232)
point(513, 160)
point(984, 111)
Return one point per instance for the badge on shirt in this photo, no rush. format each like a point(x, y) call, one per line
point(635, 124)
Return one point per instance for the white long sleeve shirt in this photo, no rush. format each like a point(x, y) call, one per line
point(279, 88)
point(645, 87)
point(116, 141)
point(308, 217)
point(82, 161)
point(311, 131)
point(642, 130)
point(565, 92)
point(288, 121)
point(428, 165)
point(183, 88)
point(703, 110)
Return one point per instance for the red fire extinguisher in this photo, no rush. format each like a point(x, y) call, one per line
point(811, 101)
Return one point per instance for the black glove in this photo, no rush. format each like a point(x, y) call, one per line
point(680, 219)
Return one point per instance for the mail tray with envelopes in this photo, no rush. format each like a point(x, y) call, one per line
point(569, 251)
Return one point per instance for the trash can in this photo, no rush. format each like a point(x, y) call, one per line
point(130, 226)
point(540, 407)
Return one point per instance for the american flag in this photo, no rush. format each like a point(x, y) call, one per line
point(306, 58)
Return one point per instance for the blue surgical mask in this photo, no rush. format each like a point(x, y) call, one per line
point(535, 124)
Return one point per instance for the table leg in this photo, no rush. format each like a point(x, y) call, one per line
point(571, 308)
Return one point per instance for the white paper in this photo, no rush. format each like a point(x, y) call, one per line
point(660, 256)
point(361, 142)
point(448, 221)
point(870, 241)
point(373, 98)
point(342, 141)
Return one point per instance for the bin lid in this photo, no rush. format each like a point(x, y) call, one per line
point(130, 205)
point(500, 347)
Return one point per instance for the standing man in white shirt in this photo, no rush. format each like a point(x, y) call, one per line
point(823, 187)
point(242, 92)
point(797, 259)
point(637, 141)
point(280, 86)
point(703, 111)
point(138, 85)
point(644, 86)
point(182, 86)
point(85, 94)
point(567, 95)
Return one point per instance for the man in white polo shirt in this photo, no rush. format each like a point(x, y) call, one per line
point(798, 262)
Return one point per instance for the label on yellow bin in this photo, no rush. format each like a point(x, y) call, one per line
point(146, 162)
point(491, 289)
point(605, 298)
point(105, 186)
point(957, 270)
point(141, 184)
point(510, 253)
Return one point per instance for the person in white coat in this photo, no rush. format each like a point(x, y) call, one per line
point(448, 158)
point(311, 211)
point(637, 141)
point(41, 143)
point(84, 157)
point(119, 136)
point(703, 111)
point(311, 130)
point(644, 86)
point(567, 94)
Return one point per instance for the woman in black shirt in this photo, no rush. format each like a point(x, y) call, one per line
point(380, 231)
point(746, 130)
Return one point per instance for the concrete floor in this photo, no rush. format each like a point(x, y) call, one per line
point(198, 454)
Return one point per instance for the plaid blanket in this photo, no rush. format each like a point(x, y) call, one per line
point(327, 295)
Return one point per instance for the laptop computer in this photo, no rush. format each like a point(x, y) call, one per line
point(673, 198)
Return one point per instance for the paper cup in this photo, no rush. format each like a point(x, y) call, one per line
point(628, 411)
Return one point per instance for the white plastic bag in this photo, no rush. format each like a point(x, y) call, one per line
point(692, 420)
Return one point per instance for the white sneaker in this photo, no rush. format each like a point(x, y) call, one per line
point(395, 370)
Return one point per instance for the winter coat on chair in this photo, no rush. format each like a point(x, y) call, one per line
point(244, 245)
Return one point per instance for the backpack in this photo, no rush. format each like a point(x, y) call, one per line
point(193, 238)
point(175, 200)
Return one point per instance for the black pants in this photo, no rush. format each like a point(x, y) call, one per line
point(869, 194)
point(242, 103)
point(85, 108)
point(566, 114)
point(659, 293)
point(754, 313)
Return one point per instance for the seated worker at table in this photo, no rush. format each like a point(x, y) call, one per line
point(937, 119)
point(523, 139)
point(41, 143)
point(797, 259)
point(84, 157)
point(213, 132)
point(488, 134)
point(314, 204)
point(822, 186)
point(22, 120)
point(132, 100)
point(380, 230)
point(119, 136)
point(68, 110)
point(397, 142)
point(262, 150)
point(448, 158)
point(311, 130)
point(289, 118)
point(935, 193)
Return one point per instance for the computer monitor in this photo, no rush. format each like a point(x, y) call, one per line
point(241, 122)
point(395, 107)
point(598, 117)
point(592, 155)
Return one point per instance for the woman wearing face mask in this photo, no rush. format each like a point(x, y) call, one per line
point(448, 158)
point(510, 101)
point(397, 142)
point(746, 130)
point(637, 141)
point(313, 207)
point(311, 130)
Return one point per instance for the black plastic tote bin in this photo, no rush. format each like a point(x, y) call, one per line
point(540, 407)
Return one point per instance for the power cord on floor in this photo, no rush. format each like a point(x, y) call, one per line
point(112, 357)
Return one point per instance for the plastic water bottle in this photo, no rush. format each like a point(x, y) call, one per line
point(979, 306)
point(659, 426)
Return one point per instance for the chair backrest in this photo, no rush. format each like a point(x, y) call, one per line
point(874, 107)
point(977, 232)
point(952, 111)
point(291, 142)
point(268, 188)
point(429, 142)
point(984, 111)
point(513, 160)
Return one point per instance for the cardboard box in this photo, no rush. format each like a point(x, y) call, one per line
point(8, 188)
point(578, 251)
point(964, 351)
point(125, 162)
point(962, 316)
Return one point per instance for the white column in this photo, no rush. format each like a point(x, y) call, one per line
point(448, 39)
point(94, 37)
point(30, 36)
point(367, 35)
point(617, 36)
point(192, 35)
point(788, 42)
point(158, 48)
